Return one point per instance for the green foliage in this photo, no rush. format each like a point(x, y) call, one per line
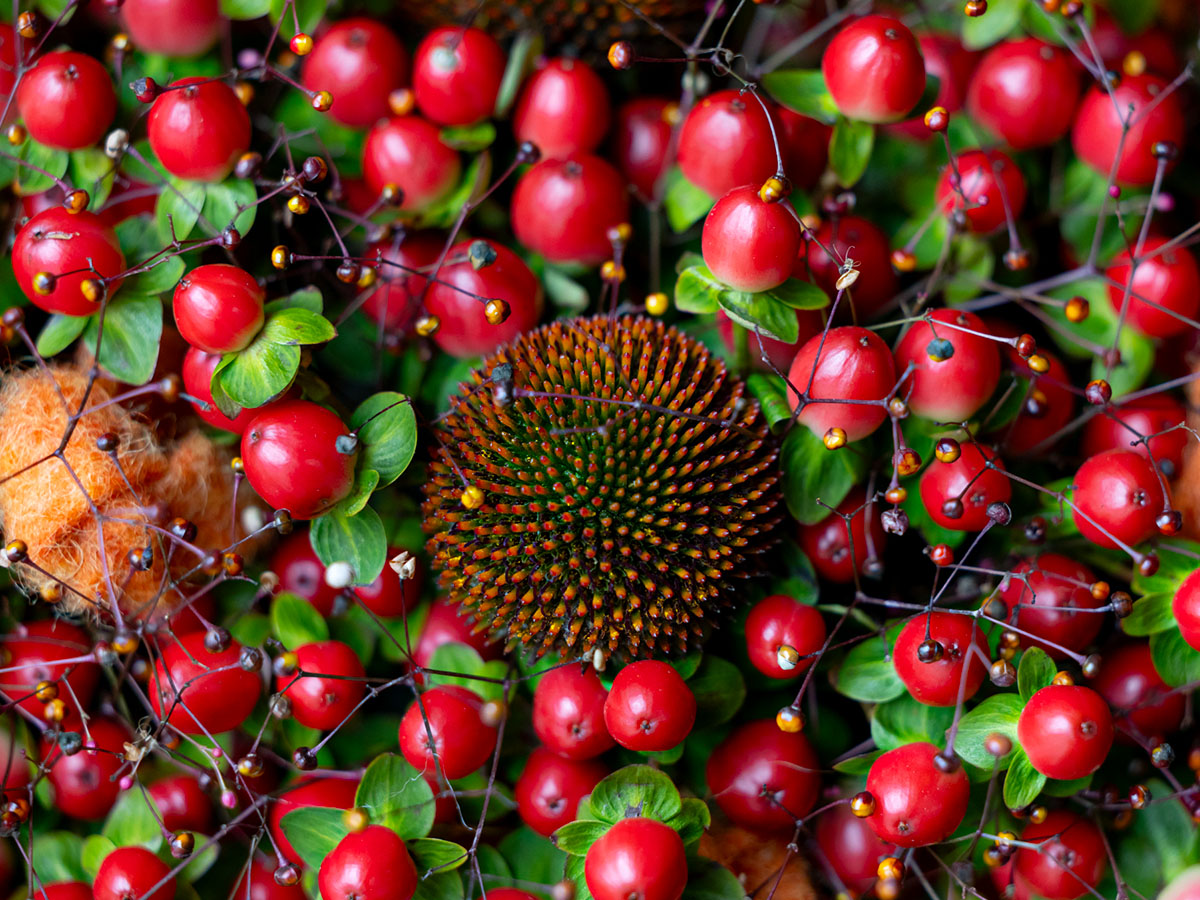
point(802, 91)
point(815, 478)
point(684, 203)
point(867, 673)
point(850, 148)
point(359, 540)
point(1035, 671)
point(295, 622)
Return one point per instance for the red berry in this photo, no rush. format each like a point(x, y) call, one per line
point(761, 777)
point(990, 182)
point(388, 595)
point(132, 872)
point(649, 707)
point(550, 788)
point(779, 621)
point(1049, 405)
point(874, 70)
point(62, 243)
point(16, 771)
point(302, 573)
point(373, 864)
point(851, 847)
point(263, 885)
point(748, 243)
point(564, 208)
point(457, 74)
point(197, 371)
point(85, 783)
point(847, 363)
point(459, 300)
point(1145, 707)
point(568, 712)
point(952, 64)
point(290, 451)
point(445, 722)
point(444, 625)
point(1165, 281)
point(1185, 606)
point(1026, 92)
point(36, 652)
point(218, 308)
point(1097, 133)
point(1145, 416)
point(1066, 730)
point(1052, 603)
point(864, 242)
point(64, 890)
point(916, 803)
point(199, 691)
point(637, 857)
point(563, 109)
point(8, 59)
point(393, 303)
point(172, 27)
point(182, 803)
point(327, 688)
point(359, 61)
point(805, 145)
point(954, 372)
point(199, 131)
point(780, 354)
point(937, 682)
point(1155, 44)
point(966, 486)
point(67, 100)
point(833, 553)
point(641, 140)
point(408, 152)
point(336, 793)
point(1117, 498)
point(1070, 860)
point(725, 142)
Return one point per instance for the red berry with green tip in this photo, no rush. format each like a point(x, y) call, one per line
point(1069, 861)
point(1117, 497)
point(1165, 291)
point(72, 247)
point(408, 152)
point(359, 61)
point(1098, 134)
point(762, 777)
point(456, 75)
point(936, 682)
point(568, 712)
point(1025, 91)
point(845, 364)
point(218, 308)
point(201, 692)
point(563, 109)
point(725, 142)
point(550, 788)
point(132, 872)
point(954, 371)
point(991, 189)
point(957, 494)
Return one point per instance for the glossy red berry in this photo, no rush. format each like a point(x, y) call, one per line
point(852, 847)
point(408, 152)
point(649, 707)
point(916, 803)
point(834, 553)
point(1119, 427)
point(199, 130)
point(459, 300)
point(84, 784)
point(637, 857)
point(292, 458)
point(847, 363)
point(1165, 281)
point(182, 803)
point(725, 142)
point(1117, 496)
point(1145, 708)
point(263, 885)
point(1185, 606)
point(336, 793)
point(444, 722)
point(302, 573)
point(957, 495)
point(564, 208)
point(1066, 730)
point(132, 872)
point(328, 686)
point(748, 243)
point(359, 61)
point(762, 777)
point(373, 864)
point(197, 372)
point(67, 100)
point(947, 60)
point(1070, 859)
point(1053, 603)
point(40, 651)
point(550, 788)
point(172, 27)
point(805, 146)
point(218, 308)
point(641, 140)
point(808, 321)
point(954, 372)
point(65, 890)
point(874, 70)
point(201, 692)
point(444, 625)
point(857, 239)
point(782, 636)
point(1025, 91)
point(1049, 406)
point(937, 682)
point(457, 74)
point(388, 595)
point(71, 247)
point(568, 712)
point(989, 184)
point(394, 301)
point(1097, 132)
point(16, 771)
point(563, 109)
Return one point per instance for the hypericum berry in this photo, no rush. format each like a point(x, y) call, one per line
point(372, 864)
point(1070, 860)
point(443, 732)
point(850, 237)
point(782, 636)
point(1146, 710)
point(804, 144)
point(761, 776)
point(457, 74)
point(199, 691)
point(649, 707)
point(637, 857)
point(199, 129)
point(916, 803)
point(1185, 606)
point(131, 872)
point(847, 363)
point(1117, 497)
point(989, 183)
point(33, 654)
point(300, 572)
point(725, 142)
point(407, 152)
point(1121, 426)
point(360, 61)
point(335, 793)
point(834, 553)
point(564, 208)
point(951, 388)
point(182, 803)
point(1049, 405)
point(957, 495)
point(448, 623)
point(292, 458)
point(568, 712)
point(1166, 281)
point(1097, 135)
point(641, 139)
point(1025, 91)
point(748, 243)
point(550, 788)
point(874, 70)
point(933, 675)
point(172, 27)
point(197, 372)
point(328, 687)
point(1052, 602)
point(400, 263)
point(67, 100)
point(84, 784)
point(259, 882)
point(218, 308)
point(851, 846)
point(1066, 730)
point(563, 109)
point(57, 251)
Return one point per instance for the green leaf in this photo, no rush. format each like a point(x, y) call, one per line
point(684, 203)
point(387, 433)
point(564, 291)
point(295, 622)
point(692, 820)
point(250, 629)
point(850, 148)
point(51, 161)
point(313, 831)
point(469, 138)
point(95, 848)
point(202, 860)
point(1150, 615)
point(232, 202)
point(905, 721)
point(1176, 662)
point(525, 49)
point(799, 294)
point(93, 171)
point(245, 9)
point(1023, 783)
point(359, 540)
point(132, 331)
point(1056, 788)
point(161, 277)
point(470, 668)
point(58, 856)
point(1166, 836)
point(867, 673)
point(132, 822)
point(812, 473)
point(697, 290)
point(309, 12)
point(179, 204)
point(257, 375)
point(997, 714)
point(802, 91)
point(365, 482)
point(357, 630)
point(531, 857)
point(858, 765)
point(771, 393)
point(1000, 20)
point(442, 886)
point(762, 312)
point(445, 212)
point(635, 790)
point(719, 689)
point(709, 880)
point(1035, 671)
point(59, 333)
point(577, 837)
point(296, 325)
point(398, 796)
point(306, 298)
point(1134, 16)
point(434, 853)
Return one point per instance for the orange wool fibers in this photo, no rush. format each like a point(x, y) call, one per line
point(75, 511)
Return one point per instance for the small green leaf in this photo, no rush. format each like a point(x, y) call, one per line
point(719, 690)
point(469, 138)
point(1000, 20)
point(691, 820)
point(162, 276)
point(635, 790)
point(434, 853)
point(257, 375)
point(365, 482)
point(95, 848)
point(1174, 660)
point(1023, 783)
point(295, 622)
point(59, 333)
point(245, 9)
point(132, 822)
point(179, 205)
point(995, 715)
point(905, 721)
point(58, 856)
point(93, 171)
point(564, 291)
point(313, 831)
point(359, 540)
point(297, 325)
point(697, 290)
point(532, 857)
point(761, 312)
point(577, 837)
point(771, 393)
point(1056, 788)
point(445, 212)
point(129, 344)
point(709, 880)
point(1150, 615)
point(684, 203)
point(51, 161)
point(867, 673)
point(202, 860)
point(232, 202)
point(1035, 671)
point(356, 629)
point(250, 629)
point(799, 294)
point(812, 473)
point(387, 433)
point(850, 148)
point(471, 671)
point(802, 91)
point(441, 886)
point(306, 298)
point(525, 49)
point(396, 795)
point(858, 765)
